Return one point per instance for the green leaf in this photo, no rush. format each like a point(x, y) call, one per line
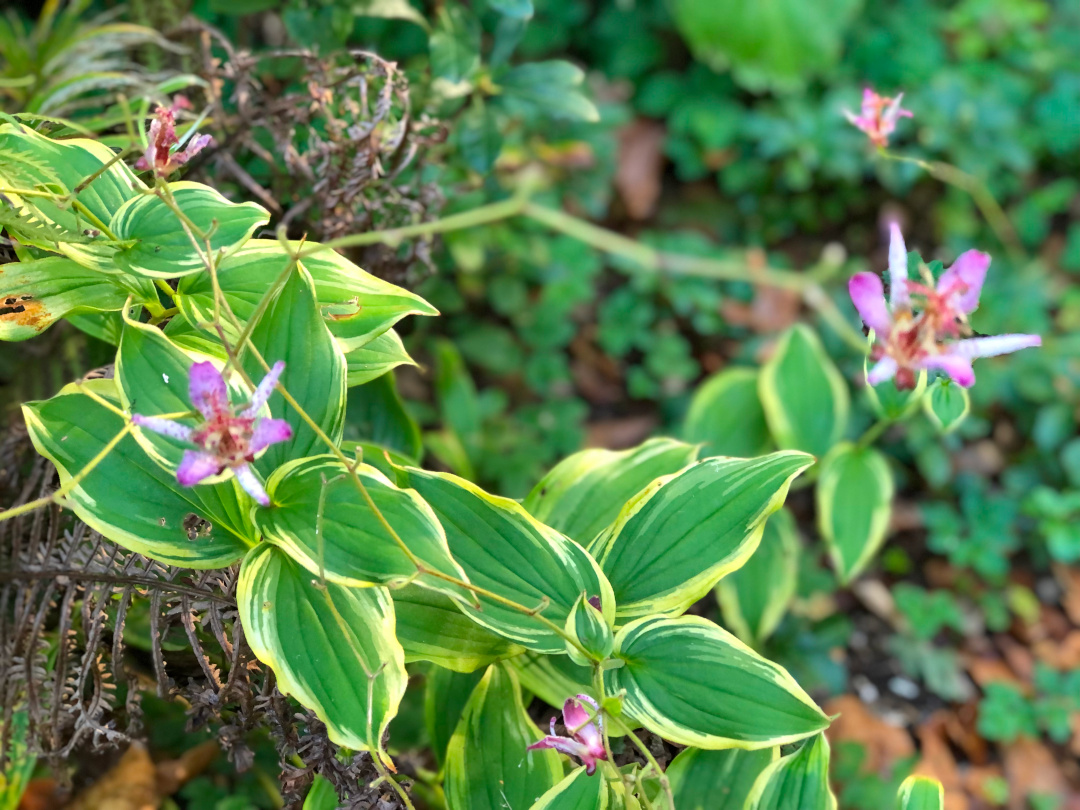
point(390, 9)
point(29, 160)
point(726, 415)
point(854, 502)
point(104, 326)
point(505, 550)
point(552, 678)
point(431, 627)
point(479, 138)
point(677, 538)
point(778, 44)
point(590, 628)
point(36, 294)
point(920, 793)
point(455, 44)
point(20, 760)
point(332, 648)
point(375, 455)
point(946, 404)
point(377, 357)
point(517, 9)
point(805, 398)
point(376, 413)
point(327, 526)
point(716, 780)
point(322, 795)
point(799, 781)
point(546, 89)
point(163, 248)
point(694, 683)
point(583, 493)
point(126, 497)
point(756, 597)
point(291, 329)
point(487, 764)
point(357, 306)
point(446, 694)
point(578, 791)
point(890, 402)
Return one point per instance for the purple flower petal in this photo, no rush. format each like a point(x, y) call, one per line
point(868, 295)
point(207, 391)
point(268, 432)
point(967, 274)
point(265, 389)
point(898, 289)
point(994, 345)
point(564, 745)
point(957, 367)
point(884, 369)
point(251, 484)
point(574, 715)
point(195, 466)
point(166, 427)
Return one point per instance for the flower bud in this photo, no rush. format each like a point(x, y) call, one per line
point(587, 624)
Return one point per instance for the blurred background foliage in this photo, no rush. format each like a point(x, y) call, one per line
point(703, 127)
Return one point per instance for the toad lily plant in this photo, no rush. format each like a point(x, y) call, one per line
point(917, 328)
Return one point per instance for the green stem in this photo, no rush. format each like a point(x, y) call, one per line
point(665, 783)
point(873, 433)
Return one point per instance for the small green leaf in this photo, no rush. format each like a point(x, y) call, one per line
point(726, 415)
point(583, 493)
point(546, 89)
point(552, 678)
point(716, 780)
point(446, 694)
point(799, 781)
point(20, 760)
point(518, 9)
point(590, 628)
point(322, 795)
point(505, 550)
point(376, 413)
point(920, 793)
point(677, 538)
point(479, 138)
point(854, 502)
point(488, 766)
point(291, 329)
point(455, 44)
point(804, 396)
point(163, 248)
point(390, 9)
point(127, 497)
point(332, 648)
point(578, 791)
point(756, 597)
point(377, 357)
point(325, 524)
point(694, 683)
point(890, 402)
point(947, 404)
point(431, 627)
point(36, 294)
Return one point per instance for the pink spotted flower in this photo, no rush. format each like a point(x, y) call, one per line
point(879, 116)
point(161, 155)
point(923, 326)
point(226, 439)
point(586, 738)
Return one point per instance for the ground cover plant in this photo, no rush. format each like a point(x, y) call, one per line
point(376, 581)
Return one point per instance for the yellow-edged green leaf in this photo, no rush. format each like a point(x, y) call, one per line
point(488, 766)
point(946, 404)
point(694, 683)
point(584, 492)
point(431, 627)
point(854, 501)
point(552, 678)
point(332, 649)
point(799, 781)
point(377, 357)
point(579, 791)
point(805, 398)
point(324, 523)
point(29, 160)
point(36, 294)
point(756, 597)
point(376, 414)
point(716, 780)
point(726, 415)
point(357, 305)
point(163, 248)
point(920, 793)
point(505, 550)
point(675, 539)
point(292, 330)
point(127, 497)
point(446, 694)
point(321, 796)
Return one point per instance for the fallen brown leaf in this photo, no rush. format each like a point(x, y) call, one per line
point(1068, 577)
point(131, 784)
point(937, 761)
point(640, 167)
point(883, 742)
point(617, 434)
point(1030, 768)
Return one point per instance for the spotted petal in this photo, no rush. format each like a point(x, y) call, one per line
point(251, 484)
point(268, 432)
point(898, 288)
point(956, 366)
point(884, 369)
point(207, 390)
point(195, 467)
point(994, 345)
point(868, 295)
point(265, 389)
point(166, 427)
point(967, 274)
